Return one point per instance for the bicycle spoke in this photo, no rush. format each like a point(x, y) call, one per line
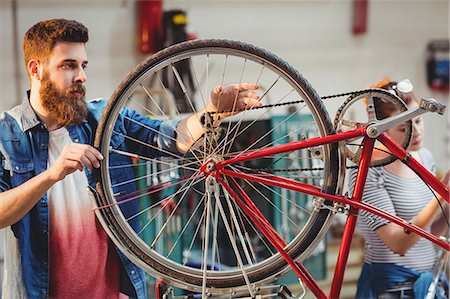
point(182, 189)
point(127, 165)
point(172, 213)
point(163, 113)
point(181, 234)
point(235, 249)
point(265, 135)
point(199, 225)
point(242, 131)
point(238, 229)
point(150, 175)
point(136, 156)
point(229, 129)
point(191, 150)
point(256, 231)
point(244, 113)
point(214, 245)
point(206, 242)
point(228, 143)
point(285, 199)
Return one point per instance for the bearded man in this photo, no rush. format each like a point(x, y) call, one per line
point(55, 247)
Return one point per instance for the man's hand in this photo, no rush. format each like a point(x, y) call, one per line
point(231, 98)
point(72, 158)
point(235, 97)
point(16, 202)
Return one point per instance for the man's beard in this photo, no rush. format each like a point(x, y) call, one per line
point(64, 107)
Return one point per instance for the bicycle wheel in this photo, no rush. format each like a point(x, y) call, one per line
point(195, 238)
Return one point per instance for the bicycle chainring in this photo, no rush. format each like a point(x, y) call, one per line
point(358, 110)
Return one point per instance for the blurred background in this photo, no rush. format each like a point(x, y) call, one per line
point(337, 45)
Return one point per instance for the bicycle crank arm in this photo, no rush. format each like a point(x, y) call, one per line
point(429, 105)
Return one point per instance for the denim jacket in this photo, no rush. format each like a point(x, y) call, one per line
point(24, 154)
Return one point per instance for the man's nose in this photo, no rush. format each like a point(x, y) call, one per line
point(81, 75)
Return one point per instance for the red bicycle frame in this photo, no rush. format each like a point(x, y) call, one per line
point(355, 201)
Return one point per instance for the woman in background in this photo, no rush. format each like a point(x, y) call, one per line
point(393, 255)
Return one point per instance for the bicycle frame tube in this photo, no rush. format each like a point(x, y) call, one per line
point(293, 146)
point(350, 225)
point(355, 202)
point(418, 168)
point(276, 240)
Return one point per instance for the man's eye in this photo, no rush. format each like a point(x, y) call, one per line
point(67, 66)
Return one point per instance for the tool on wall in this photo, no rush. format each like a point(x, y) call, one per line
point(360, 12)
point(174, 24)
point(158, 29)
point(437, 65)
point(149, 14)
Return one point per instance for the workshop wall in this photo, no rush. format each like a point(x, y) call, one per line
point(314, 36)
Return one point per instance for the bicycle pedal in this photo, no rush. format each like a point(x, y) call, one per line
point(432, 105)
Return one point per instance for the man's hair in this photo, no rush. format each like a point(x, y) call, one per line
point(41, 38)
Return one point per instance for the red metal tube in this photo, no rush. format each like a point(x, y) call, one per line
point(418, 168)
point(295, 145)
point(298, 268)
point(350, 225)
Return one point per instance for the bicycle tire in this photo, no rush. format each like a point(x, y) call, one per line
point(189, 277)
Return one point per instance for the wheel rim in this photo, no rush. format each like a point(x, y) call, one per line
point(143, 74)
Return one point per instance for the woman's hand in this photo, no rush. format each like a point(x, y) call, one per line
point(446, 179)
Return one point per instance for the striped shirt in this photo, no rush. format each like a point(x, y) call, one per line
point(404, 197)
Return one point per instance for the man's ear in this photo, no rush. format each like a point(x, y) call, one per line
point(34, 69)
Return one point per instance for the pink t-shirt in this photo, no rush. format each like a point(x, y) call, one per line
point(83, 262)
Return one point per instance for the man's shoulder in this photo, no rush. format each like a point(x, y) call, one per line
point(97, 103)
point(12, 120)
point(14, 112)
point(96, 107)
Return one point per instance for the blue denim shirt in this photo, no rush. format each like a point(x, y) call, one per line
point(24, 154)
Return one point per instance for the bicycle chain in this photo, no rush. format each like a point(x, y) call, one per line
point(351, 93)
point(270, 170)
point(338, 95)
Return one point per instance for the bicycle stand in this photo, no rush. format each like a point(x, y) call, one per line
point(272, 291)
